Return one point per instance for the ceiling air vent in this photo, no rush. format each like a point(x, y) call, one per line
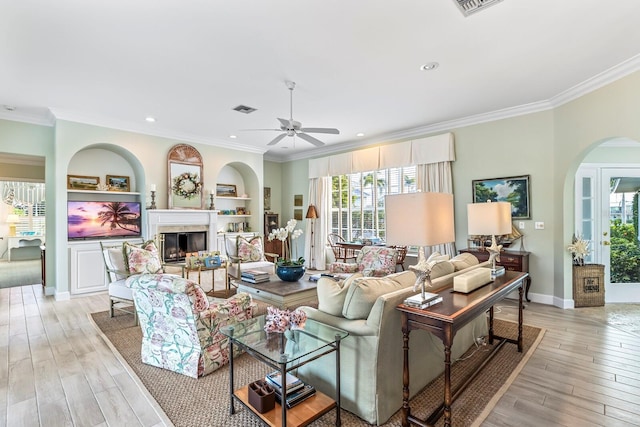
point(244, 109)
point(468, 7)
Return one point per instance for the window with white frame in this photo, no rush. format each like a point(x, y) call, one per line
point(357, 201)
point(26, 200)
point(31, 218)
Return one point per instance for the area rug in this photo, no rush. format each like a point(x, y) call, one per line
point(205, 401)
point(20, 273)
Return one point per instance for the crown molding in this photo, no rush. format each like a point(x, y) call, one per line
point(422, 131)
point(598, 81)
point(70, 116)
point(33, 119)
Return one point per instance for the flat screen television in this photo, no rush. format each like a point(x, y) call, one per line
point(102, 220)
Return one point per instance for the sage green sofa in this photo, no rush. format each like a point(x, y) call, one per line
point(371, 356)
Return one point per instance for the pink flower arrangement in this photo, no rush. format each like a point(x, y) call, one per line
point(280, 320)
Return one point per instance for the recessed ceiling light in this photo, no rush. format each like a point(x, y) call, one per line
point(232, 136)
point(150, 119)
point(429, 66)
point(359, 134)
point(9, 108)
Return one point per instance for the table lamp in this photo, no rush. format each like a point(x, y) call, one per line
point(12, 219)
point(312, 214)
point(420, 219)
point(490, 219)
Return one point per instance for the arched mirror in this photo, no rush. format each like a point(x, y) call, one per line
point(184, 166)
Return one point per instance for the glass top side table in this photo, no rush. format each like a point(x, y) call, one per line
point(286, 352)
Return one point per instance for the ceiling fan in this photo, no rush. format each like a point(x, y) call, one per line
point(292, 127)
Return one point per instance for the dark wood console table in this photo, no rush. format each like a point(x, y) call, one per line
point(510, 260)
point(444, 320)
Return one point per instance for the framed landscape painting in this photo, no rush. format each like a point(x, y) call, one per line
point(513, 189)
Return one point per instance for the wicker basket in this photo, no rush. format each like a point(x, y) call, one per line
point(588, 285)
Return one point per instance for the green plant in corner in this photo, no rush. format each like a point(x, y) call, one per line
point(286, 235)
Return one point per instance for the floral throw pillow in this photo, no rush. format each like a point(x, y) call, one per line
point(250, 250)
point(143, 258)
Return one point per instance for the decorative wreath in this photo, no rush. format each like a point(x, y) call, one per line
point(187, 185)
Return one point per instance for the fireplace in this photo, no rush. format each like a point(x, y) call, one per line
point(176, 246)
point(182, 231)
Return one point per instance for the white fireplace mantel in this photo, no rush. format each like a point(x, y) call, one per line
point(174, 220)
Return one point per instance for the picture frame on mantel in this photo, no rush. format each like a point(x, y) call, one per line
point(513, 189)
point(184, 170)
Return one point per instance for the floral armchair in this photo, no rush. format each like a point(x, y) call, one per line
point(375, 261)
point(181, 326)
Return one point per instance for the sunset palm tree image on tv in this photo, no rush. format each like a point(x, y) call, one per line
point(103, 220)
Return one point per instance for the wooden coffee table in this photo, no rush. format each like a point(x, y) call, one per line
point(279, 293)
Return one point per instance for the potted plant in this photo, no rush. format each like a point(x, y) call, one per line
point(288, 269)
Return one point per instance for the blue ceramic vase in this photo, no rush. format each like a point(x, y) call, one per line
point(288, 273)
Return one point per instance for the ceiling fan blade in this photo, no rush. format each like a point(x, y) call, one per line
point(284, 122)
point(321, 130)
point(277, 139)
point(310, 139)
point(245, 130)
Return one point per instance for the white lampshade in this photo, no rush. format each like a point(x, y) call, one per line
point(12, 218)
point(419, 219)
point(489, 219)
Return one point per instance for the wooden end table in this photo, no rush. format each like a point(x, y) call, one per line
point(444, 320)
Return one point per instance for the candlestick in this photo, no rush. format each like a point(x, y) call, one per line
point(211, 205)
point(153, 199)
point(152, 187)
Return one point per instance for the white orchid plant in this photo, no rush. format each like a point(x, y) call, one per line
point(579, 249)
point(286, 235)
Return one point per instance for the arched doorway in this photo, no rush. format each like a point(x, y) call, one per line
point(607, 184)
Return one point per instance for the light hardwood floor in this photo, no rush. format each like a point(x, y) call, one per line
point(55, 369)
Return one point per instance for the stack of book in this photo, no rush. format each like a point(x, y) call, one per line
point(254, 276)
point(297, 390)
point(417, 301)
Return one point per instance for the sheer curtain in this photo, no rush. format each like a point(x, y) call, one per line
point(320, 196)
point(436, 177)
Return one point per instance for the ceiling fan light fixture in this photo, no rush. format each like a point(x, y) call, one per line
point(292, 128)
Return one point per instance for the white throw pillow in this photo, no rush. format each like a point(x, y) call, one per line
point(464, 260)
point(332, 293)
point(441, 268)
point(438, 257)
